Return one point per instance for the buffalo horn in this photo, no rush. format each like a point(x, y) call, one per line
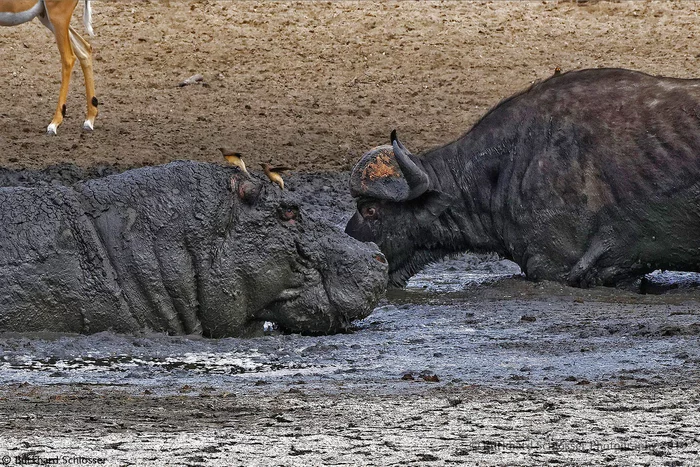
point(418, 181)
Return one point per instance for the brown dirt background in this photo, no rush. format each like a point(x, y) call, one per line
point(312, 84)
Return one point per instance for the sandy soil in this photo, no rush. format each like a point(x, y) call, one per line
point(313, 84)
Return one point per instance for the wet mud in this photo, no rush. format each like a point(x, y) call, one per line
point(506, 371)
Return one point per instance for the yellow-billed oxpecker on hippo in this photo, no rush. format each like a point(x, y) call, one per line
point(178, 249)
point(56, 15)
point(234, 158)
point(589, 177)
point(274, 173)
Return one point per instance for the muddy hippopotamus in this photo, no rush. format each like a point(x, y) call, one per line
point(184, 248)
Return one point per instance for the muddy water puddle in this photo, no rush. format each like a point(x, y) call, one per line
point(487, 327)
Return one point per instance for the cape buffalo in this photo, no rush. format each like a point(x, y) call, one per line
point(589, 177)
point(183, 249)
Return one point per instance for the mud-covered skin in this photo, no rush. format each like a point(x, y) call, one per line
point(180, 249)
point(590, 177)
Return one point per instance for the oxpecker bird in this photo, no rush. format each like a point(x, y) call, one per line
point(273, 173)
point(234, 158)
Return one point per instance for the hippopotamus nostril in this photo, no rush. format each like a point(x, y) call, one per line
point(380, 257)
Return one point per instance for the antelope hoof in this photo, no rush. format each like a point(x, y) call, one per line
point(51, 130)
point(88, 125)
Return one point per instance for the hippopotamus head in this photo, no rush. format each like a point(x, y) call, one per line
point(277, 263)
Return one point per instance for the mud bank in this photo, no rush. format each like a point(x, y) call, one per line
point(501, 372)
point(469, 425)
point(512, 334)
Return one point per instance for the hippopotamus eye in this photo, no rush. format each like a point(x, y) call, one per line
point(289, 213)
point(369, 212)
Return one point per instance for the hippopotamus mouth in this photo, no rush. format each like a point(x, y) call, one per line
point(306, 309)
point(286, 298)
point(322, 301)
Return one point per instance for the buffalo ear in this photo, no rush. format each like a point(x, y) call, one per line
point(430, 206)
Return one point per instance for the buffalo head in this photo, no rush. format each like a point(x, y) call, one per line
point(397, 208)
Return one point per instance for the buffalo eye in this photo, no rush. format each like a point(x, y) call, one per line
point(369, 212)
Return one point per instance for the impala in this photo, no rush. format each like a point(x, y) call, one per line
point(56, 15)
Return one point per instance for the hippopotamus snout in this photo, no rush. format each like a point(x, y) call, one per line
point(358, 280)
point(353, 277)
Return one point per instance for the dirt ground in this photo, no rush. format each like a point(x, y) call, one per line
point(312, 84)
point(471, 426)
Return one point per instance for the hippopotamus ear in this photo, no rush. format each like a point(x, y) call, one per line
point(246, 189)
point(389, 172)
